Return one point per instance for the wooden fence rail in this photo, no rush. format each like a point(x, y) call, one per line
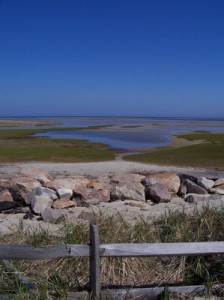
point(95, 250)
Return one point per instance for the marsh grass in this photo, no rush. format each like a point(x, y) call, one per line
point(57, 277)
point(33, 149)
point(42, 124)
point(21, 146)
point(207, 154)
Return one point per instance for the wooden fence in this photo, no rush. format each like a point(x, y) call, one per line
point(95, 251)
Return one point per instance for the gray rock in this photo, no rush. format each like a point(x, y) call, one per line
point(43, 192)
point(5, 205)
point(65, 193)
point(52, 215)
point(40, 199)
point(148, 181)
point(123, 192)
point(183, 177)
point(158, 193)
point(40, 203)
point(195, 198)
point(42, 179)
point(217, 190)
point(182, 190)
point(219, 181)
point(205, 183)
point(194, 188)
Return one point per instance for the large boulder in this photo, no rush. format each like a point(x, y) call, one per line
point(6, 200)
point(40, 199)
point(93, 196)
point(127, 186)
point(182, 190)
point(171, 180)
point(123, 192)
point(183, 177)
point(102, 186)
point(193, 187)
point(99, 184)
point(19, 187)
point(158, 193)
point(75, 183)
point(205, 183)
point(195, 198)
point(217, 190)
point(219, 181)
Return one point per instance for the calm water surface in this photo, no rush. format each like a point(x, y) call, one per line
point(150, 133)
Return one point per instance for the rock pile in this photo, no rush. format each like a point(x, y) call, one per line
point(50, 198)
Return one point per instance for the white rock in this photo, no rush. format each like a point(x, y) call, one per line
point(42, 178)
point(219, 181)
point(217, 191)
point(205, 183)
point(195, 198)
point(40, 203)
point(65, 193)
point(40, 199)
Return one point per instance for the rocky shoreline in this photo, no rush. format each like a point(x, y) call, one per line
point(34, 199)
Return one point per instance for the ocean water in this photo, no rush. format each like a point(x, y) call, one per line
point(126, 133)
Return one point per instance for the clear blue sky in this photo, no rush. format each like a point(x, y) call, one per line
point(112, 57)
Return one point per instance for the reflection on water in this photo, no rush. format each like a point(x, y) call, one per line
point(125, 133)
point(132, 133)
point(115, 139)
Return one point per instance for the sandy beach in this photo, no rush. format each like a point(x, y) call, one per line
point(95, 169)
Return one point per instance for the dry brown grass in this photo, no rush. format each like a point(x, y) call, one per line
point(63, 275)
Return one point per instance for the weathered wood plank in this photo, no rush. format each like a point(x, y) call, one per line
point(161, 249)
point(150, 293)
point(8, 251)
point(78, 250)
point(30, 252)
point(94, 262)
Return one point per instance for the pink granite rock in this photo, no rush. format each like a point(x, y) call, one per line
point(5, 196)
point(171, 180)
point(75, 183)
point(63, 203)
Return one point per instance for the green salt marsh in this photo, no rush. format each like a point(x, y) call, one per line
point(208, 154)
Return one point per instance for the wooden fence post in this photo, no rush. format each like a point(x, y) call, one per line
point(94, 262)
